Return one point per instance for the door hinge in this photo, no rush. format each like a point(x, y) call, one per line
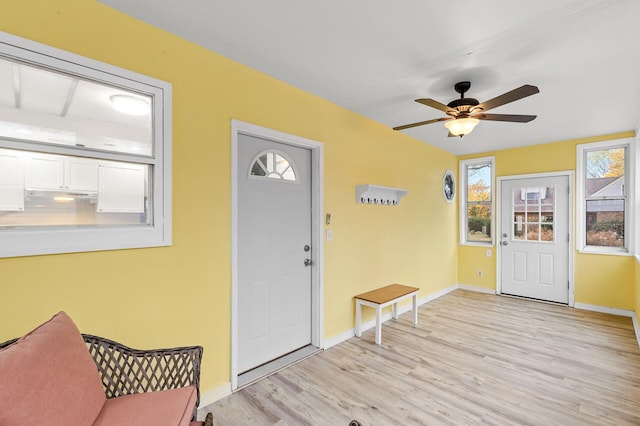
point(568, 284)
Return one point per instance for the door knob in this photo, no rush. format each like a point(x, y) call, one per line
point(307, 262)
point(505, 243)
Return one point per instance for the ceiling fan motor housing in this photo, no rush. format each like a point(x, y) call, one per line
point(463, 104)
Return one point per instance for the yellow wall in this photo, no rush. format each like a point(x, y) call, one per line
point(637, 291)
point(472, 259)
point(180, 295)
point(599, 279)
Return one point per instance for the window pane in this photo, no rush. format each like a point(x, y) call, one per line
point(518, 231)
point(478, 193)
point(532, 206)
point(479, 182)
point(56, 190)
point(289, 174)
point(533, 217)
point(52, 107)
point(479, 222)
point(547, 233)
point(605, 173)
point(258, 169)
point(605, 223)
point(273, 166)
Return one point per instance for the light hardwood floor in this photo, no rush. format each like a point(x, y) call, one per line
point(473, 359)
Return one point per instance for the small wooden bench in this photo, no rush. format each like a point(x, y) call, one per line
point(381, 298)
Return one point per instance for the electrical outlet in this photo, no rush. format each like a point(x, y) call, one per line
point(329, 235)
point(480, 274)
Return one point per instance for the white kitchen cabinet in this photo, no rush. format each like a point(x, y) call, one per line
point(56, 172)
point(11, 180)
point(81, 174)
point(121, 187)
point(44, 171)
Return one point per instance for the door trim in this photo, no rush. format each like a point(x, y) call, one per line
point(317, 240)
point(570, 175)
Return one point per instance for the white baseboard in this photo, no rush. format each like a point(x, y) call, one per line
point(476, 288)
point(636, 327)
point(613, 311)
point(604, 309)
point(342, 337)
point(212, 396)
point(432, 296)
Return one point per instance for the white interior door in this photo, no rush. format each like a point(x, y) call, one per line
point(534, 237)
point(274, 250)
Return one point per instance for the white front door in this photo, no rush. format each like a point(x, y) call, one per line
point(534, 237)
point(274, 250)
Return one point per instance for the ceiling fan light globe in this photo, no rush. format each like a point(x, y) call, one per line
point(461, 126)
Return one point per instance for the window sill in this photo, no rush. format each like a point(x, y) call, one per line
point(604, 252)
point(476, 244)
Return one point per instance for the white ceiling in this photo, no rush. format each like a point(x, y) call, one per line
point(375, 57)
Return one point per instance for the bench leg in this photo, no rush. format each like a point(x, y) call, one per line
point(378, 324)
point(358, 318)
point(414, 302)
point(209, 420)
point(394, 312)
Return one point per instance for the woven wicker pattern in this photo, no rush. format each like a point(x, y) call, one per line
point(126, 371)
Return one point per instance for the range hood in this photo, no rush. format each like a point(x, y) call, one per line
point(32, 194)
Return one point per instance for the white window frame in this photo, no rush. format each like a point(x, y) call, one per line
point(634, 190)
point(50, 240)
point(463, 200)
point(629, 173)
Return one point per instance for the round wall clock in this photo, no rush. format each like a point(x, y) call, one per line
point(449, 186)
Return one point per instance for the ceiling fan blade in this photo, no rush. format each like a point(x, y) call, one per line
point(514, 118)
point(421, 123)
point(505, 98)
point(435, 104)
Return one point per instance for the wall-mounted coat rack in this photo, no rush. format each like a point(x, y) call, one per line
point(375, 194)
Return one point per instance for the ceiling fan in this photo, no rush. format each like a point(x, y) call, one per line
point(465, 113)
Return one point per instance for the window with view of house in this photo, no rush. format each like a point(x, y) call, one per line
point(604, 205)
point(534, 213)
point(85, 154)
point(476, 207)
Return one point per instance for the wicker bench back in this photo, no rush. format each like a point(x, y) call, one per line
point(126, 371)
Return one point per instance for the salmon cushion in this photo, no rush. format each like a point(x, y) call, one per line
point(48, 377)
point(171, 407)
